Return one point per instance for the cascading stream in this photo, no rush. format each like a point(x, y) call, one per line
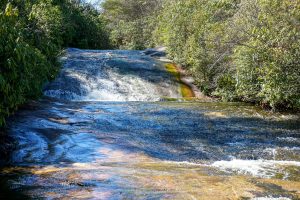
point(91, 75)
point(102, 132)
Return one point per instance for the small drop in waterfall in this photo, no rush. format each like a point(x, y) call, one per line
point(102, 132)
point(119, 75)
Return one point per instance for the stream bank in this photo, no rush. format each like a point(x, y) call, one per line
point(103, 131)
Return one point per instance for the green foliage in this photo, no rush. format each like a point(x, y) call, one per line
point(32, 36)
point(194, 32)
point(131, 22)
point(267, 66)
point(23, 68)
point(236, 49)
point(83, 27)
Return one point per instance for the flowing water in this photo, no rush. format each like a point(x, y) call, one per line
point(104, 131)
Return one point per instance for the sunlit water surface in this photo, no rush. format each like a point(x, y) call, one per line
point(105, 135)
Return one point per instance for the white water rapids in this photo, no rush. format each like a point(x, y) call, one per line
point(102, 132)
point(98, 75)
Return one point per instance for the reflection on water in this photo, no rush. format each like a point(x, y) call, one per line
point(85, 149)
point(168, 150)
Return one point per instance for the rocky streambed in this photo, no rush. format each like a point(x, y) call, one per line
point(102, 131)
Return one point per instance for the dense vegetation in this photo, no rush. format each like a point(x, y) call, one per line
point(131, 22)
point(244, 50)
point(32, 35)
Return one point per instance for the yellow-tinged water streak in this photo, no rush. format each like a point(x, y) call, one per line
point(185, 90)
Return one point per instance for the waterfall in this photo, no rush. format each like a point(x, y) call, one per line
point(112, 75)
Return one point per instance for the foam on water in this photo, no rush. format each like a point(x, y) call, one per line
point(94, 75)
point(145, 150)
point(271, 198)
point(257, 168)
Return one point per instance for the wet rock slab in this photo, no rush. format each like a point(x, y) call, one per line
point(163, 150)
point(102, 133)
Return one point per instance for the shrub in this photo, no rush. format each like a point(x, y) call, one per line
point(32, 36)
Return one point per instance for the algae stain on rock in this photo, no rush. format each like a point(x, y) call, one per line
point(185, 90)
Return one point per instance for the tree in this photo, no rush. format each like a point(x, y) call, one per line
point(131, 22)
point(32, 36)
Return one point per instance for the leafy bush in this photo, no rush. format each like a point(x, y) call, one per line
point(268, 67)
point(32, 36)
point(195, 33)
point(84, 27)
point(23, 68)
point(130, 22)
point(236, 49)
